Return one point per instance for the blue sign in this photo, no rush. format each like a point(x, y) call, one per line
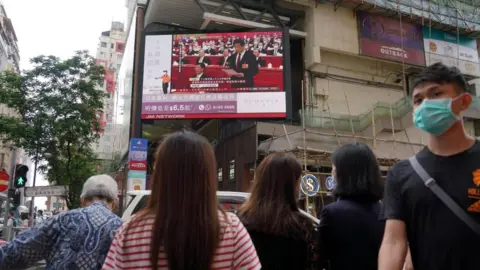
point(310, 185)
point(330, 183)
point(137, 144)
point(137, 159)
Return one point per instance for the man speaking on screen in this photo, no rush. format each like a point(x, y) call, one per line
point(244, 63)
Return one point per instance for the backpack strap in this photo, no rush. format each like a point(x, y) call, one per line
point(443, 196)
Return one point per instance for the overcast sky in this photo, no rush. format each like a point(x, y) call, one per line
point(60, 27)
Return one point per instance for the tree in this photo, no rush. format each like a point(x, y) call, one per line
point(57, 102)
point(79, 166)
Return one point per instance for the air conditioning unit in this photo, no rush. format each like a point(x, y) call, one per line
point(474, 87)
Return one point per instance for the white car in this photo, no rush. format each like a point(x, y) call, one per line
point(229, 201)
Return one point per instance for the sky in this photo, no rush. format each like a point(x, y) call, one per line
point(61, 27)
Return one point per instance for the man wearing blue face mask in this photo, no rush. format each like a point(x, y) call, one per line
point(416, 215)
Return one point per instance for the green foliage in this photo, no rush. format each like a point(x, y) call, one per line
point(113, 165)
point(57, 102)
point(79, 165)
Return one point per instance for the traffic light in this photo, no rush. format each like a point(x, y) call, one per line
point(20, 176)
point(14, 196)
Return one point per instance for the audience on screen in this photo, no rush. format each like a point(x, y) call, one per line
point(265, 44)
point(202, 59)
point(199, 75)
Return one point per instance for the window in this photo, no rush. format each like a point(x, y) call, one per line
point(2, 160)
point(112, 46)
point(107, 149)
point(103, 44)
point(220, 174)
point(231, 170)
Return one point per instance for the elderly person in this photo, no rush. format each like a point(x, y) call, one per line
point(76, 239)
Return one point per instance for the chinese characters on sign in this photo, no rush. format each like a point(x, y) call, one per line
point(183, 80)
point(46, 191)
point(137, 164)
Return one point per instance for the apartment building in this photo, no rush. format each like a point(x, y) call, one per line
point(109, 54)
point(9, 60)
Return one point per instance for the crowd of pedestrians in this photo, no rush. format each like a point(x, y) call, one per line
point(425, 216)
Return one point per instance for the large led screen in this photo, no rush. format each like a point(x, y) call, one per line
point(221, 75)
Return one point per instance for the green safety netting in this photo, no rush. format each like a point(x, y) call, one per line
point(344, 122)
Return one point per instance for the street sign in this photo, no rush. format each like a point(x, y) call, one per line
point(309, 185)
point(46, 191)
point(4, 178)
point(138, 151)
point(136, 180)
point(330, 182)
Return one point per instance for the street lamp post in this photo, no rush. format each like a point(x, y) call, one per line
point(32, 201)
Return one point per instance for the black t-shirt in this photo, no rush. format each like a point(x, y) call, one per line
point(438, 239)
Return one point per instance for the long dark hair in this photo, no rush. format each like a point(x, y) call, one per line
point(272, 207)
point(184, 203)
point(358, 174)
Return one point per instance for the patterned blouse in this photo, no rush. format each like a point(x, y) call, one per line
point(77, 239)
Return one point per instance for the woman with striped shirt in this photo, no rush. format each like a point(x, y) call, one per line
point(182, 226)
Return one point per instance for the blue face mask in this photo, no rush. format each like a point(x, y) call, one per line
point(435, 116)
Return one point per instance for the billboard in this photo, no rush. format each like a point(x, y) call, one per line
point(382, 37)
point(451, 50)
point(214, 75)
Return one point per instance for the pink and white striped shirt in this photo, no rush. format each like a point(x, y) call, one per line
point(132, 251)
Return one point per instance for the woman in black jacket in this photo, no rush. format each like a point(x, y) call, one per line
point(350, 230)
point(283, 237)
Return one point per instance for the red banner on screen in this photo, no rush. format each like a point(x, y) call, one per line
point(214, 75)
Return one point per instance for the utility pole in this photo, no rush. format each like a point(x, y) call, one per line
point(13, 164)
point(32, 201)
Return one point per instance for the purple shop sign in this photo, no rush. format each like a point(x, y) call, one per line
point(197, 107)
point(382, 37)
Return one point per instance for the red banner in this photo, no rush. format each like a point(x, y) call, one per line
point(120, 47)
point(101, 123)
point(110, 80)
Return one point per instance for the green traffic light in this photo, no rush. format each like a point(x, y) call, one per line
point(20, 181)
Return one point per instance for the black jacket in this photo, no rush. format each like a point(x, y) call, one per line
point(248, 66)
point(205, 60)
point(349, 235)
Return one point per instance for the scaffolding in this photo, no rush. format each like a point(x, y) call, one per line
point(322, 131)
point(447, 15)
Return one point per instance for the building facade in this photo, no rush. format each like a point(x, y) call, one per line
point(109, 54)
point(9, 60)
point(351, 63)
